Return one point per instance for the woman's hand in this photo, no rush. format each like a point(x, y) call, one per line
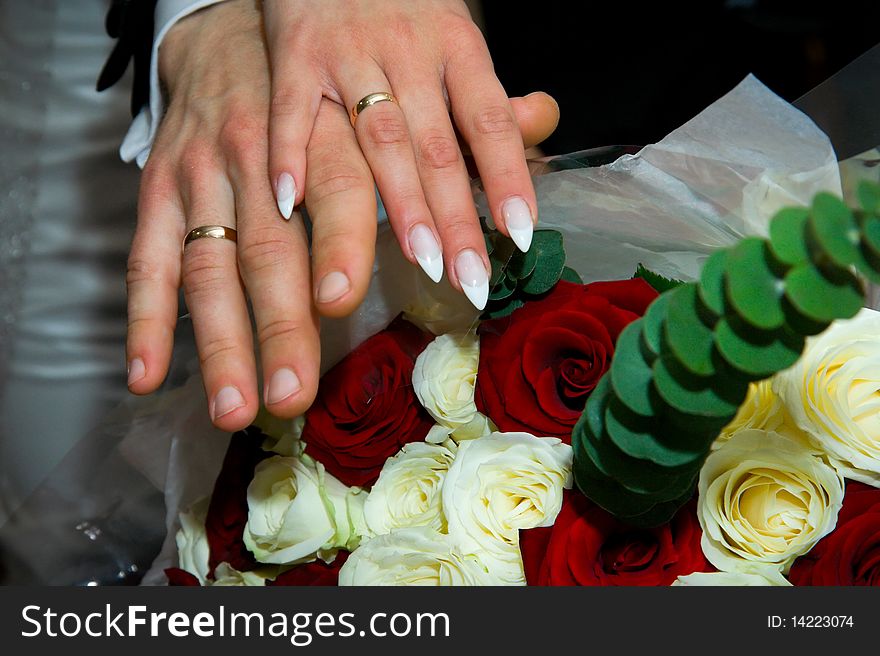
point(433, 59)
point(208, 166)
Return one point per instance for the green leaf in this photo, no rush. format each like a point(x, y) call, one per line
point(570, 275)
point(661, 513)
point(688, 336)
point(658, 282)
point(652, 323)
point(712, 285)
point(606, 492)
point(522, 265)
point(630, 374)
point(869, 196)
point(788, 235)
point(819, 298)
point(752, 288)
point(547, 245)
point(490, 244)
point(757, 355)
point(642, 441)
point(503, 289)
point(498, 273)
point(833, 226)
point(871, 234)
point(688, 394)
point(502, 309)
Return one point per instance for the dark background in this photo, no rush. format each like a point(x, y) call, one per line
point(629, 73)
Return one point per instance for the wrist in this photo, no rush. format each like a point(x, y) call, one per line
point(178, 41)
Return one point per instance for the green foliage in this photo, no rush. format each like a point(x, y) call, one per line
point(680, 373)
point(658, 282)
point(518, 277)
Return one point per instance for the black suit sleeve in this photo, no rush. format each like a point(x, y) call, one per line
point(130, 22)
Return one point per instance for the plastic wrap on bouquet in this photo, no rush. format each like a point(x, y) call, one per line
point(668, 206)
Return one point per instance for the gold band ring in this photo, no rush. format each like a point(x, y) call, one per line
point(213, 231)
point(369, 100)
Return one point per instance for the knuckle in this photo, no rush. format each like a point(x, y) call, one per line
point(142, 326)
point(465, 35)
point(461, 226)
point(286, 104)
point(386, 129)
point(158, 184)
point(142, 270)
point(268, 249)
point(439, 152)
point(203, 275)
point(284, 329)
point(198, 156)
point(335, 179)
point(241, 133)
point(216, 348)
point(495, 122)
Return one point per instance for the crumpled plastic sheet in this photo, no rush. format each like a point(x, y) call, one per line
point(112, 505)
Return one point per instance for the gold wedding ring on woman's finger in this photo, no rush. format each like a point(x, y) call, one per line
point(212, 231)
point(368, 101)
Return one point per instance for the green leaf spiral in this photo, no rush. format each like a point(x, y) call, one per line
point(680, 373)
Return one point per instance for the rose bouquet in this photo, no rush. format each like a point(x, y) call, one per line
point(629, 431)
point(584, 434)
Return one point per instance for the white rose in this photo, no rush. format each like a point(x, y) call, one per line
point(415, 556)
point(297, 511)
point(757, 578)
point(444, 376)
point(833, 393)
point(763, 501)
point(287, 442)
point(407, 492)
point(282, 435)
point(762, 409)
point(227, 576)
point(193, 552)
point(500, 484)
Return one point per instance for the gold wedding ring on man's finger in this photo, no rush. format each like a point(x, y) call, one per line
point(368, 101)
point(212, 231)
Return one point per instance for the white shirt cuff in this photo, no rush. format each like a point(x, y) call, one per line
point(139, 139)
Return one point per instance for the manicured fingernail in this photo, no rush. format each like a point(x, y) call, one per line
point(518, 219)
point(473, 278)
point(136, 370)
point(284, 383)
point(333, 286)
point(227, 400)
point(427, 251)
point(285, 194)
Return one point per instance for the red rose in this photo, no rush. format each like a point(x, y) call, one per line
point(366, 408)
point(314, 573)
point(180, 577)
point(539, 365)
point(849, 555)
point(587, 546)
point(228, 509)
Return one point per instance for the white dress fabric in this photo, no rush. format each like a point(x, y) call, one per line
point(67, 213)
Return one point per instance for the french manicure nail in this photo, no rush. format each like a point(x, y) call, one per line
point(473, 278)
point(427, 251)
point(518, 219)
point(227, 400)
point(136, 371)
point(284, 383)
point(285, 194)
point(333, 286)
